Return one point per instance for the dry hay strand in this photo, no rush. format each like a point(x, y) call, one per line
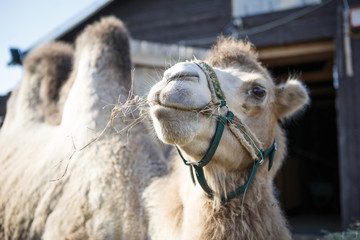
point(132, 112)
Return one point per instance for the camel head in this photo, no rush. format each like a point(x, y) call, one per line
point(185, 110)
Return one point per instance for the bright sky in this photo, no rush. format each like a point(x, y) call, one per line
point(23, 23)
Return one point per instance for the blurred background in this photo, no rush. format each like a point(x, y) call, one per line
point(317, 41)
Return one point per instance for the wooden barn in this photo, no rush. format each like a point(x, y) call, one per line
point(318, 41)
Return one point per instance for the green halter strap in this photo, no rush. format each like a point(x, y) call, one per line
point(246, 138)
point(199, 172)
point(198, 166)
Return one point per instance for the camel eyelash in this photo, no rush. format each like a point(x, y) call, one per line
point(257, 92)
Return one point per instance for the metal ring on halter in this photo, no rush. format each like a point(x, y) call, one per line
point(262, 159)
point(191, 163)
point(275, 146)
point(221, 105)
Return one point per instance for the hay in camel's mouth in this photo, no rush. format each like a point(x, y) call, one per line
point(209, 109)
point(137, 109)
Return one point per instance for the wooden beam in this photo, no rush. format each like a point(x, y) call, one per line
point(310, 77)
point(323, 91)
point(300, 49)
point(296, 53)
point(321, 76)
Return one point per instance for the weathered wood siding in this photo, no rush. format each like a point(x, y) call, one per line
point(317, 25)
point(255, 7)
point(348, 108)
point(167, 21)
point(198, 23)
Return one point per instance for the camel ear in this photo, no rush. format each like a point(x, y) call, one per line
point(291, 97)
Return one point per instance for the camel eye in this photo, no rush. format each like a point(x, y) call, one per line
point(258, 92)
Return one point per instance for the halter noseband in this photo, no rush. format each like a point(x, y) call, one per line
point(241, 132)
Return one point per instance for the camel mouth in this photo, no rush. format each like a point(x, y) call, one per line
point(174, 107)
point(170, 113)
point(174, 125)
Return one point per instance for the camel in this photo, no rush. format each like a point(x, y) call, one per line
point(67, 174)
point(60, 178)
point(223, 115)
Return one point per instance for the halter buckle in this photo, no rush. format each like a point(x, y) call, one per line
point(261, 157)
point(191, 163)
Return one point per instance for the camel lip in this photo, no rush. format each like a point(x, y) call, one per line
point(156, 106)
point(162, 113)
point(173, 107)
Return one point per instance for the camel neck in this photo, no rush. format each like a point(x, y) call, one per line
point(225, 183)
point(215, 217)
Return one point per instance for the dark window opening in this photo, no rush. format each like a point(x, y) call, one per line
point(309, 180)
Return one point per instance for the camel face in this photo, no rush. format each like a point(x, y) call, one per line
point(178, 102)
point(179, 97)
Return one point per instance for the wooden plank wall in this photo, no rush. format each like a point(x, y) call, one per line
point(348, 108)
point(167, 21)
point(198, 23)
point(317, 25)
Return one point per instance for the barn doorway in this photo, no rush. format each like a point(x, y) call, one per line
point(309, 180)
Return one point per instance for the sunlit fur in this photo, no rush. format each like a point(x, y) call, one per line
point(46, 71)
point(185, 208)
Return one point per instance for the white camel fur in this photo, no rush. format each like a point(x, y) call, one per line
point(250, 92)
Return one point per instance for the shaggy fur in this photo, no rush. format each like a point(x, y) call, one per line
point(229, 52)
point(187, 211)
point(50, 187)
point(51, 66)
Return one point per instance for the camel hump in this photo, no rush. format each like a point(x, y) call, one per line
point(46, 70)
point(111, 37)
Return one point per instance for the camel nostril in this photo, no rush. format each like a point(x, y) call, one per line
point(185, 76)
